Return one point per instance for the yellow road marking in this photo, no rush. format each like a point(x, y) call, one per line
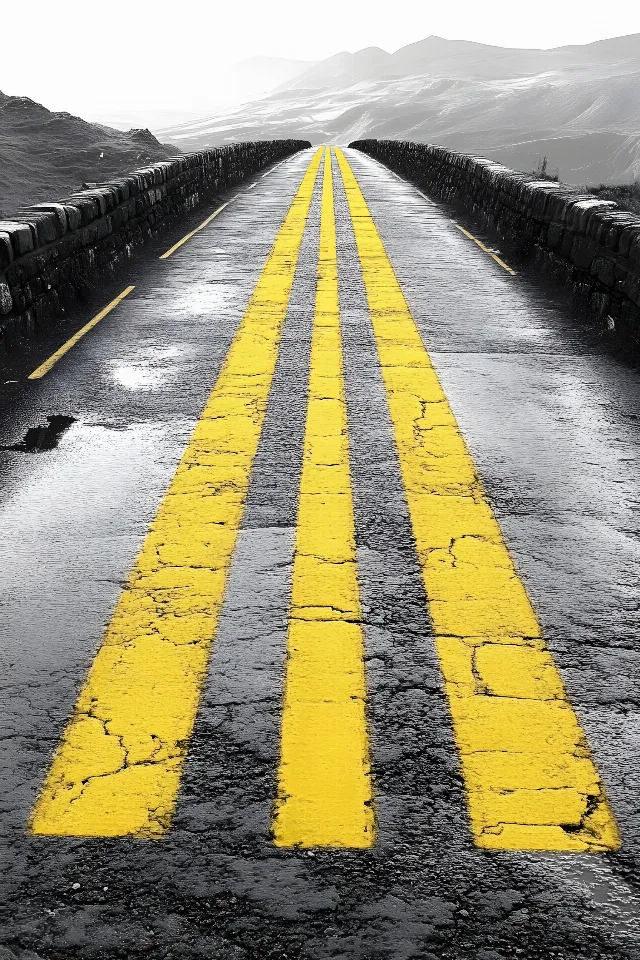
point(205, 223)
point(53, 359)
point(493, 255)
point(270, 171)
point(324, 794)
point(117, 769)
point(423, 195)
point(530, 779)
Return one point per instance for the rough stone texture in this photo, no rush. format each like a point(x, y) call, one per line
point(51, 254)
point(587, 243)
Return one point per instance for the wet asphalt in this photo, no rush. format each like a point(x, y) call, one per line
point(554, 428)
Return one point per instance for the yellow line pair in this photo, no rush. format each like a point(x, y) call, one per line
point(531, 782)
point(118, 768)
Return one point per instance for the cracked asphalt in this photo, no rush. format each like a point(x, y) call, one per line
point(552, 426)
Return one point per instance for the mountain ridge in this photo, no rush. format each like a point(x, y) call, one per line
point(581, 103)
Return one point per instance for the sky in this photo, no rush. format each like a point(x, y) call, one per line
point(98, 60)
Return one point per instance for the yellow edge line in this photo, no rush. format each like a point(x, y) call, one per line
point(205, 223)
point(493, 255)
point(53, 359)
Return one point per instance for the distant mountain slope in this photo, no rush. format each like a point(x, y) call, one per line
point(579, 105)
point(46, 155)
point(437, 57)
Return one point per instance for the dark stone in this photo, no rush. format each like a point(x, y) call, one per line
point(59, 213)
point(6, 300)
point(604, 270)
point(20, 234)
point(581, 253)
point(6, 251)
point(45, 226)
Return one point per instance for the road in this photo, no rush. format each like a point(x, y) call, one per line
point(319, 605)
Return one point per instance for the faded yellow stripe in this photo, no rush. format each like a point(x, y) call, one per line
point(71, 342)
point(118, 767)
point(530, 780)
point(324, 790)
point(485, 249)
point(188, 236)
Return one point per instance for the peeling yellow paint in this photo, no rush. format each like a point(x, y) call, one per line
point(324, 790)
point(117, 769)
point(531, 782)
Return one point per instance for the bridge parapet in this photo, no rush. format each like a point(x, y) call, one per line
point(586, 242)
point(53, 253)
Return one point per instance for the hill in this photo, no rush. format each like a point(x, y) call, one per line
point(44, 155)
point(577, 105)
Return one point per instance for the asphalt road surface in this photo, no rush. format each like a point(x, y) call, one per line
point(319, 603)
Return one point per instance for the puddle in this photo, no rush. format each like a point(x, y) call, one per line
point(44, 437)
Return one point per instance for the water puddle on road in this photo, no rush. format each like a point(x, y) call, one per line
point(44, 436)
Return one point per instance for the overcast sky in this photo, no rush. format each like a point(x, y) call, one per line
point(94, 59)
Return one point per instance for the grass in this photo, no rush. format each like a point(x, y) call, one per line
point(627, 196)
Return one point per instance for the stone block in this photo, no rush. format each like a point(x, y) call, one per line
point(87, 207)
point(600, 304)
point(20, 234)
point(103, 227)
point(45, 225)
point(6, 300)
point(582, 253)
point(617, 222)
point(101, 198)
point(58, 212)
point(6, 251)
point(554, 235)
point(634, 246)
point(604, 271)
point(631, 288)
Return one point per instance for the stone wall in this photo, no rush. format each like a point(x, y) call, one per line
point(53, 253)
point(588, 243)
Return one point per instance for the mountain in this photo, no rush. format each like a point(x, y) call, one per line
point(577, 105)
point(437, 57)
point(342, 69)
point(46, 155)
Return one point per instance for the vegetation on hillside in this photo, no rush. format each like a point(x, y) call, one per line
point(627, 196)
point(45, 155)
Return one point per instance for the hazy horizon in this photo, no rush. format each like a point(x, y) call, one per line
point(84, 62)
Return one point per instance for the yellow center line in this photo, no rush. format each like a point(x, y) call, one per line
point(493, 255)
point(117, 769)
point(324, 790)
point(530, 779)
point(205, 223)
point(53, 359)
